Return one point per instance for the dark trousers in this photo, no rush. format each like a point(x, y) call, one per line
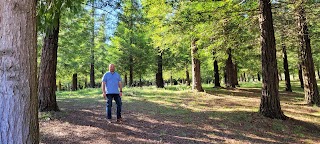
point(116, 98)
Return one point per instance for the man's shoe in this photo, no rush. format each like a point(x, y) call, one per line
point(109, 121)
point(119, 120)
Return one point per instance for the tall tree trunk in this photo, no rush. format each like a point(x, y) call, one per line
point(300, 76)
point(187, 76)
point(48, 67)
point(196, 75)
point(18, 72)
point(310, 84)
point(270, 103)
point(216, 74)
point(286, 67)
point(229, 71)
point(258, 75)
point(235, 76)
point(60, 87)
point(159, 78)
point(171, 80)
point(140, 81)
point(130, 70)
point(216, 71)
point(318, 71)
point(85, 83)
point(92, 79)
point(245, 78)
point(125, 79)
point(74, 82)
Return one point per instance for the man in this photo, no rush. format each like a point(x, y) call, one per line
point(111, 84)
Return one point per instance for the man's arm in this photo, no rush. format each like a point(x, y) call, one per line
point(120, 87)
point(103, 87)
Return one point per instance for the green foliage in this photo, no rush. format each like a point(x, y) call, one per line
point(131, 42)
point(74, 44)
point(147, 28)
point(49, 11)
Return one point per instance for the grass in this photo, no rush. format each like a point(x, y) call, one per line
point(234, 111)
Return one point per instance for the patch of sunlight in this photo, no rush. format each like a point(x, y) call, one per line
point(163, 103)
point(307, 141)
point(265, 139)
point(132, 128)
point(303, 117)
point(231, 109)
point(215, 118)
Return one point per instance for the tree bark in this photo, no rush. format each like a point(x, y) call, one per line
point(286, 67)
point(310, 84)
point(92, 78)
point(74, 82)
point(125, 79)
point(258, 75)
point(230, 82)
point(216, 74)
point(235, 76)
point(318, 72)
point(216, 71)
point(48, 67)
point(196, 75)
point(270, 103)
point(130, 70)
point(300, 75)
point(159, 75)
point(187, 76)
point(171, 80)
point(140, 81)
point(60, 87)
point(18, 72)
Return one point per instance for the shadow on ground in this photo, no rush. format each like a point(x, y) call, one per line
point(148, 122)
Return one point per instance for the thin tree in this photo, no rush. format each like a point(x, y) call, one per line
point(18, 72)
point(216, 71)
point(270, 102)
point(92, 79)
point(159, 74)
point(286, 65)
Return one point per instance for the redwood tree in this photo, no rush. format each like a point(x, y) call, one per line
point(230, 72)
point(18, 72)
point(270, 103)
point(48, 67)
point(216, 71)
point(196, 75)
point(159, 77)
point(286, 66)
point(309, 78)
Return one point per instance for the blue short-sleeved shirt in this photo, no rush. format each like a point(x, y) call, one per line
point(112, 82)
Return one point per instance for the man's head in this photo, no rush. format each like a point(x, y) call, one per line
point(111, 67)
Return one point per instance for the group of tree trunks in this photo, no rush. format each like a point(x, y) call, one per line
point(20, 102)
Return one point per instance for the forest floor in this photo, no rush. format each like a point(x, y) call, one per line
point(178, 115)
